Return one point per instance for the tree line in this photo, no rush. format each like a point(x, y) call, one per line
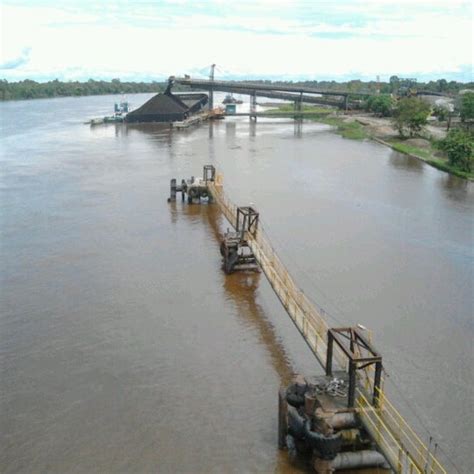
point(29, 89)
point(396, 85)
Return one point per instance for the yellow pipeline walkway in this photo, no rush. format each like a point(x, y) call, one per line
point(399, 443)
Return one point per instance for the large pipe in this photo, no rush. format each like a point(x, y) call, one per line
point(343, 421)
point(327, 445)
point(358, 459)
point(295, 423)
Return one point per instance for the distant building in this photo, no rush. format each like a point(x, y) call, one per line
point(168, 107)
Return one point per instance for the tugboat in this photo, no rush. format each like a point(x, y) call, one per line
point(121, 110)
point(230, 99)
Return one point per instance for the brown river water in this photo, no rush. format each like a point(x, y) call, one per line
point(124, 347)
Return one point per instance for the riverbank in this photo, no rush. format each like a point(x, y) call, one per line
point(428, 155)
point(422, 148)
point(343, 126)
point(364, 126)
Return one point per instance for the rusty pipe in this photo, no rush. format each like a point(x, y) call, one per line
point(358, 459)
point(343, 421)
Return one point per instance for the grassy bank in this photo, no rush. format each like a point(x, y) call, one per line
point(409, 149)
point(427, 155)
point(352, 130)
point(443, 165)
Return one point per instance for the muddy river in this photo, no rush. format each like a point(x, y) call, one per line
point(124, 347)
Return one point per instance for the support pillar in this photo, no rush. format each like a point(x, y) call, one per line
point(329, 354)
point(211, 90)
point(377, 381)
point(211, 98)
point(352, 384)
point(253, 106)
point(298, 106)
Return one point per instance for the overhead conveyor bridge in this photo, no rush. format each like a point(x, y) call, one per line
point(296, 94)
point(259, 86)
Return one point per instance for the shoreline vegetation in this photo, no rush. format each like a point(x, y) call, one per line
point(30, 89)
point(428, 156)
point(362, 126)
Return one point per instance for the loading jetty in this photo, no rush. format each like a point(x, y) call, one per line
point(214, 114)
point(339, 420)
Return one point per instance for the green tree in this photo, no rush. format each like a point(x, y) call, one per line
point(459, 146)
point(442, 85)
point(441, 112)
point(28, 89)
point(467, 107)
point(411, 113)
point(381, 105)
point(394, 83)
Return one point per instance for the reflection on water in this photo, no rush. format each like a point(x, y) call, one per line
point(455, 188)
point(242, 288)
point(298, 128)
point(402, 161)
point(252, 129)
point(230, 130)
point(156, 132)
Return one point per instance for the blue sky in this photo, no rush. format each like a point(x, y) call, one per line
point(150, 40)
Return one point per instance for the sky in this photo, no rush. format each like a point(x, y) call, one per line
point(145, 40)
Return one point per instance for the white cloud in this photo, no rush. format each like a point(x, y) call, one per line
point(81, 44)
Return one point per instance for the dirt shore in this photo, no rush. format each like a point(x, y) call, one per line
point(383, 128)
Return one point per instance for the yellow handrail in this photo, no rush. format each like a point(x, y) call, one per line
point(399, 457)
point(408, 437)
